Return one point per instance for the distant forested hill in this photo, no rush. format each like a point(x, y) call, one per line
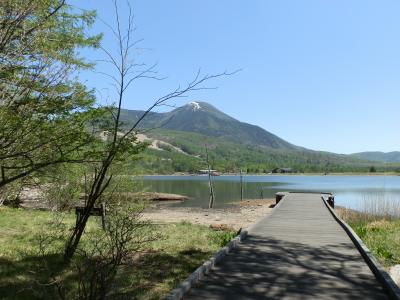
point(389, 157)
point(178, 139)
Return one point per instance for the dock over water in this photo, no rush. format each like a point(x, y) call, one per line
point(300, 251)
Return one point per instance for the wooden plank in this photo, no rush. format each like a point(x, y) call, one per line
point(299, 252)
point(95, 211)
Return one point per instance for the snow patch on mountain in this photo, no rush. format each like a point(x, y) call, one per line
point(194, 105)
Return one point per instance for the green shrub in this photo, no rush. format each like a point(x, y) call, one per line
point(361, 231)
point(222, 238)
point(383, 252)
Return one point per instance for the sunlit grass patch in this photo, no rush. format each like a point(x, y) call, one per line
point(157, 268)
point(380, 234)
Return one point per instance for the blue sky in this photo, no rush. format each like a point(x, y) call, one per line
point(321, 74)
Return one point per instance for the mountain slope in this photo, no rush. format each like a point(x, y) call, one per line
point(228, 156)
point(203, 118)
point(389, 157)
point(178, 138)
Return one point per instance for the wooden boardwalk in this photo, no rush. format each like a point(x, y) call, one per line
point(298, 252)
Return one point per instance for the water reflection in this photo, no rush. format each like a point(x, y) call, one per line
point(226, 191)
point(350, 191)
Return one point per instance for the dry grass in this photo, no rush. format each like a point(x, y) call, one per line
point(381, 233)
point(380, 205)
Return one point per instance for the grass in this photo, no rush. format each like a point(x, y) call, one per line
point(159, 268)
point(381, 234)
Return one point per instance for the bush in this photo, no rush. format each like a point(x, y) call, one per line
point(222, 238)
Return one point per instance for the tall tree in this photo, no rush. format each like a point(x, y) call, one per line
point(44, 109)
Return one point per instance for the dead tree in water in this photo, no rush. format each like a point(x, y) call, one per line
point(210, 183)
point(241, 185)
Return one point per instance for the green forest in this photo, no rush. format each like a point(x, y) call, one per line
point(229, 157)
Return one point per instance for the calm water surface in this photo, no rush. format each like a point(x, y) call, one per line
point(349, 191)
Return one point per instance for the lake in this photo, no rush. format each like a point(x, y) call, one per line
point(349, 191)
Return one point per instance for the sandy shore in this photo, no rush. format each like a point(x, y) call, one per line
point(242, 215)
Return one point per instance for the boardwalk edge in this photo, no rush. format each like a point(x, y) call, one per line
point(179, 292)
point(380, 273)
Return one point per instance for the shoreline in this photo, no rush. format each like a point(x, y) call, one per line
point(271, 175)
point(239, 216)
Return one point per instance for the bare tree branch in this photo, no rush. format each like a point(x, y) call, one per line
point(125, 75)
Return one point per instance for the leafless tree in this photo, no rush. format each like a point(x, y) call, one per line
point(127, 71)
point(108, 251)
